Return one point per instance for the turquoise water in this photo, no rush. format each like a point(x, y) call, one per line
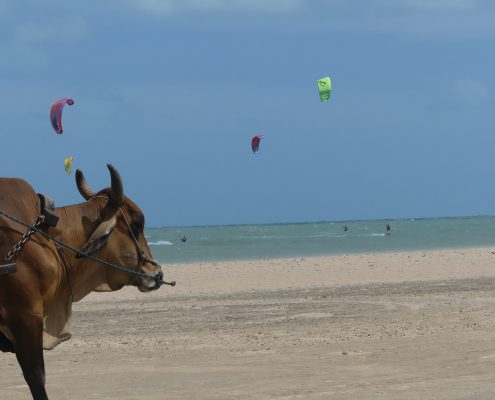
point(239, 242)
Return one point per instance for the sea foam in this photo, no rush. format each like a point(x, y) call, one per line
point(161, 243)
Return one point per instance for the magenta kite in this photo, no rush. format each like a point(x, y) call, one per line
point(56, 113)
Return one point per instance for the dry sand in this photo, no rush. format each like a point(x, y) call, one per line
point(395, 326)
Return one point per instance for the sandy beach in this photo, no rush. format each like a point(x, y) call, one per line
point(412, 325)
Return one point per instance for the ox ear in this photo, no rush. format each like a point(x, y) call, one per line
point(100, 236)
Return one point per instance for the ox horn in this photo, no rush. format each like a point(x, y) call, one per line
point(83, 186)
point(117, 193)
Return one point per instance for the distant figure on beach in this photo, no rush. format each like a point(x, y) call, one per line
point(183, 238)
point(345, 228)
point(388, 229)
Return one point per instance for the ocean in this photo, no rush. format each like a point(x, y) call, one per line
point(242, 242)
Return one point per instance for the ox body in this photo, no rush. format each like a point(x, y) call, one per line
point(36, 301)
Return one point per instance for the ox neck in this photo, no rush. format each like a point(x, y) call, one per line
point(75, 226)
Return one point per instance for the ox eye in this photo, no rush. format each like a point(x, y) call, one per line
point(137, 227)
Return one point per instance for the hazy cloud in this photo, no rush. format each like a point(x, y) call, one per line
point(16, 55)
point(20, 45)
point(414, 18)
point(471, 91)
point(69, 29)
point(4, 8)
point(168, 7)
point(429, 5)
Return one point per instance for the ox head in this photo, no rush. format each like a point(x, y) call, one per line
point(119, 235)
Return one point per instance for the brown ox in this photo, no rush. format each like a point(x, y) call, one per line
point(36, 301)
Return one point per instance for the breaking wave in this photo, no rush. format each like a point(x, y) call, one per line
point(161, 243)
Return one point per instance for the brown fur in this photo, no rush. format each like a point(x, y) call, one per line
point(36, 301)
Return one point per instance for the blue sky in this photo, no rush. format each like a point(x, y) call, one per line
point(172, 91)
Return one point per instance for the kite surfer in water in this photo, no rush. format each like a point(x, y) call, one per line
point(183, 238)
point(345, 228)
point(388, 230)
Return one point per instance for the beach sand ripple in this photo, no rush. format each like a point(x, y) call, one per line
point(390, 326)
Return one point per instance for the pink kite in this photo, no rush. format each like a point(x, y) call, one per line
point(56, 113)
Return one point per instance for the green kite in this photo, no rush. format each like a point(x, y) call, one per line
point(324, 87)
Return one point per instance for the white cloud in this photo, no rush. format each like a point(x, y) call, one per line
point(168, 7)
point(471, 91)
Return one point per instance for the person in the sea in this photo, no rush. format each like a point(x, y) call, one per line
point(345, 228)
point(183, 238)
point(388, 229)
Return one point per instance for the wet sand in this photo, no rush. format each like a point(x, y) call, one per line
point(417, 325)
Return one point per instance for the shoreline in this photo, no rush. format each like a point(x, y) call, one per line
point(350, 254)
point(355, 253)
